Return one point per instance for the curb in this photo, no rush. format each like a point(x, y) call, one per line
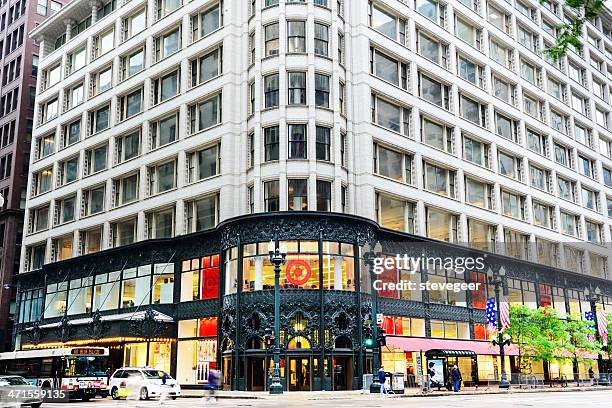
point(266, 396)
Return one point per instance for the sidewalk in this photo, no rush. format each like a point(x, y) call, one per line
point(410, 392)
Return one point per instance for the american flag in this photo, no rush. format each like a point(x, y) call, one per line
point(491, 315)
point(588, 316)
point(504, 313)
point(602, 323)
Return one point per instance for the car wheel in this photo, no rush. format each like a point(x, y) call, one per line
point(115, 393)
point(174, 397)
point(144, 394)
point(36, 405)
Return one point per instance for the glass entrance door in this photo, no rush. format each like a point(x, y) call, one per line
point(227, 372)
point(300, 373)
point(343, 373)
point(257, 373)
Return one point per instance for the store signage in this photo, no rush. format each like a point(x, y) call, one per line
point(298, 272)
point(87, 352)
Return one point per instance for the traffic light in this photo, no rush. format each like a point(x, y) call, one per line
point(268, 337)
point(368, 341)
point(381, 338)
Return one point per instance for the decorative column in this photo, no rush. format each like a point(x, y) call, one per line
point(95, 6)
point(69, 23)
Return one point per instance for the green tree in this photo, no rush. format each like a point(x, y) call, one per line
point(538, 333)
point(570, 33)
point(581, 340)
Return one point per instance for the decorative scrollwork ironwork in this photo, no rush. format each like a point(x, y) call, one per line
point(97, 328)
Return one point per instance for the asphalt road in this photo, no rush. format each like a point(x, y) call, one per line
point(591, 399)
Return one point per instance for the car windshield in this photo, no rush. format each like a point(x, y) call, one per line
point(153, 374)
point(7, 381)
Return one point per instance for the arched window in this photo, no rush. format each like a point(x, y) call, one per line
point(255, 343)
point(299, 322)
point(298, 342)
point(342, 342)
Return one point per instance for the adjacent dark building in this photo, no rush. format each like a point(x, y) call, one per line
point(18, 73)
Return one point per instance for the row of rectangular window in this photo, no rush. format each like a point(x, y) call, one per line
point(162, 131)
point(439, 93)
point(400, 166)
point(398, 214)
point(199, 214)
point(202, 24)
point(433, 48)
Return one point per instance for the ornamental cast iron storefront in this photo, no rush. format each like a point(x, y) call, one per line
point(204, 301)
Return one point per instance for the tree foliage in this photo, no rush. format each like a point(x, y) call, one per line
point(542, 335)
point(570, 33)
point(581, 335)
point(538, 333)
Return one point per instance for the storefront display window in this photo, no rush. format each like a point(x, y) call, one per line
point(480, 332)
point(135, 355)
point(446, 329)
point(200, 278)
point(55, 299)
point(231, 271)
point(106, 291)
point(163, 283)
point(479, 296)
point(79, 296)
point(302, 267)
point(160, 354)
point(136, 285)
point(197, 355)
point(574, 303)
point(338, 266)
point(403, 326)
point(447, 297)
point(155, 354)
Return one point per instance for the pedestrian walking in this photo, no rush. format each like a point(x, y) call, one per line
point(591, 375)
point(382, 378)
point(211, 386)
point(456, 377)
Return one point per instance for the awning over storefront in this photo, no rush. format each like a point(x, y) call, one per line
point(160, 317)
point(423, 344)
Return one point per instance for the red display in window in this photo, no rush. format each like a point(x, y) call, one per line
point(545, 296)
point(479, 296)
point(388, 276)
point(399, 327)
point(480, 332)
point(210, 283)
point(208, 327)
point(387, 324)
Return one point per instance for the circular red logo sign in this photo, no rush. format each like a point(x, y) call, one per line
point(298, 272)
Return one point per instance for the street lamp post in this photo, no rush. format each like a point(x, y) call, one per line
point(368, 257)
point(592, 296)
point(497, 279)
point(277, 257)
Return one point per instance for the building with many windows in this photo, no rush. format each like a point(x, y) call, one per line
point(421, 121)
point(18, 71)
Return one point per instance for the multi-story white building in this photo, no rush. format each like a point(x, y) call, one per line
point(161, 118)
point(158, 118)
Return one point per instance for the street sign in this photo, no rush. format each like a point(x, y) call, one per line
point(379, 318)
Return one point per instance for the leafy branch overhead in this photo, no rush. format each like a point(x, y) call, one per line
point(570, 33)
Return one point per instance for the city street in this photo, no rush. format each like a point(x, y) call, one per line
point(539, 400)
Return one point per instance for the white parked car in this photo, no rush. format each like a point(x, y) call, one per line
point(142, 383)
